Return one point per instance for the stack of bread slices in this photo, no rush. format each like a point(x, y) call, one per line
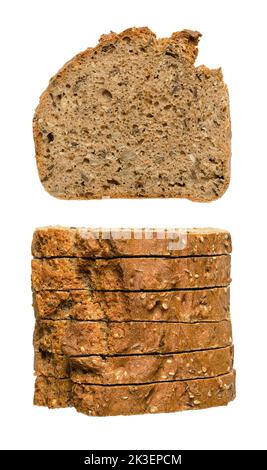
point(132, 321)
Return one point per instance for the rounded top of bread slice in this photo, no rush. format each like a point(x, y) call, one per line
point(133, 117)
point(88, 242)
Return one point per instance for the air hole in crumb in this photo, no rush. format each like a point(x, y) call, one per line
point(86, 160)
point(135, 129)
point(107, 48)
point(68, 85)
point(126, 39)
point(50, 137)
point(113, 181)
point(107, 94)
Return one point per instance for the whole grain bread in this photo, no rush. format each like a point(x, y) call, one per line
point(163, 397)
point(130, 273)
point(181, 306)
point(151, 367)
point(85, 338)
point(133, 117)
point(110, 370)
point(52, 392)
point(103, 243)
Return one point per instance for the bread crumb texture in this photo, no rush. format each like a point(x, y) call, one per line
point(133, 117)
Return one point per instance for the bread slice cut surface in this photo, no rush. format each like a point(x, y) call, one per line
point(134, 117)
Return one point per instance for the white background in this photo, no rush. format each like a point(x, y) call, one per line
point(37, 38)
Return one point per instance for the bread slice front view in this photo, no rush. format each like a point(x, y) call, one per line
point(134, 117)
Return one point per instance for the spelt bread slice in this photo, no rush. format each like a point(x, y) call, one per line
point(141, 369)
point(180, 306)
point(132, 274)
point(77, 338)
point(109, 243)
point(133, 117)
point(110, 370)
point(164, 397)
point(52, 392)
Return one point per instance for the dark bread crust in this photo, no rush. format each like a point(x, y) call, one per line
point(164, 397)
point(208, 176)
point(132, 274)
point(85, 338)
point(181, 306)
point(89, 243)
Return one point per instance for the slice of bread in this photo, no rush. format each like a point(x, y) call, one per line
point(181, 306)
point(134, 274)
point(159, 397)
point(49, 242)
point(110, 370)
point(164, 397)
point(133, 117)
point(79, 338)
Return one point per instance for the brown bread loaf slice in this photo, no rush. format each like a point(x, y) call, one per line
point(52, 392)
point(110, 370)
point(99, 243)
point(130, 273)
point(181, 306)
point(150, 368)
point(163, 397)
point(133, 117)
point(82, 338)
